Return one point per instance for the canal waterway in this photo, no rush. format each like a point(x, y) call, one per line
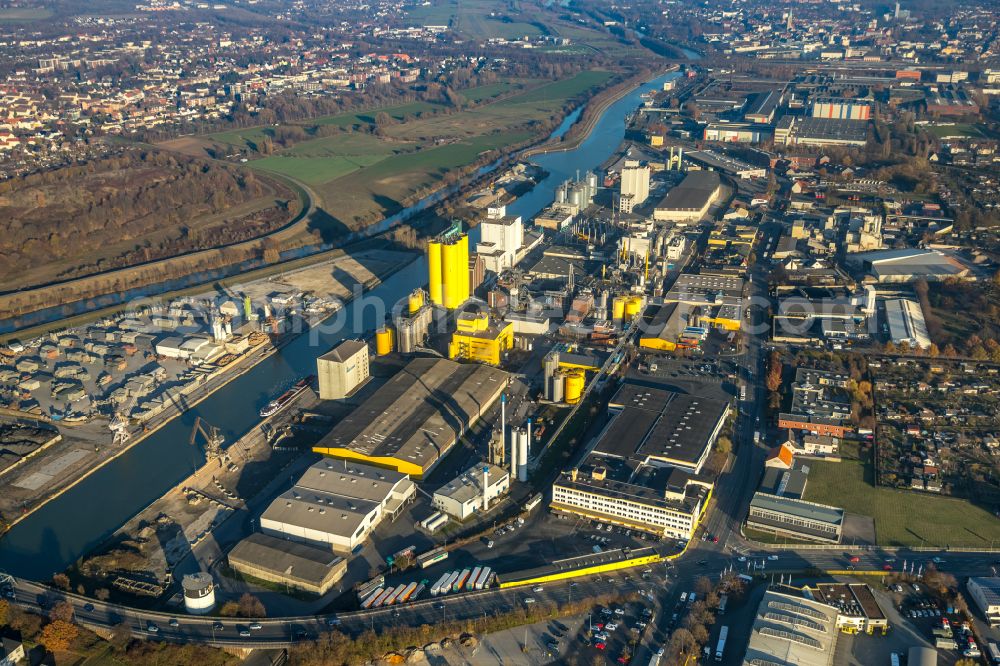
point(57, 534)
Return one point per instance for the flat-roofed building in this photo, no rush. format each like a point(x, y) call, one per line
point(465, 496)
point(857, 608)
point(986, 593)
point(795, 518)
point(663, 501)
point(337, 504)
point(479, 338)
point(690, 200)
point(290, 563)
point(416, 417)
point(342, 369)
point(789, 629)
point(634, 185)
point(906, 323)
point(660, 427)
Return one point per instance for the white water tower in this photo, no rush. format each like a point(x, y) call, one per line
point(199, 593)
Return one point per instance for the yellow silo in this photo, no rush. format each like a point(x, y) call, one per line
point(633, 306)
point(455, 270)
point(383, 341)
point(416, 301)
point(618, 308)
point(435, 279)
point(575, 381)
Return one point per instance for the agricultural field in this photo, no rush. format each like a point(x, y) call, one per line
point(364, 175)
point(23, 14)
point(473, 19)
point(954, 130)
point(902, 518)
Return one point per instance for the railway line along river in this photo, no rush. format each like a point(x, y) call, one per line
point(64, 529)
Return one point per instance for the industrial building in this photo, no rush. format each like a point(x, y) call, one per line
point(342, 369)
point(794, 518)
point(735, 133)
point(644, 471)
point(297, 565)
point(634, 186)
point(809, 131)
point(691, 199)
point(908, 265)
point(857, 609)
point(906, 323)
point(841, 108)
point(662, 501)
point(501, 238)
point(337, 504)
point(663, 327)
point(711, 300)
point(986, 593)
point(479, 338)
point(448, 268)
point(472, 492)
point(413, 420)
point(655, 426)
point(789, 629)
point(761, 106)
point(713, 161)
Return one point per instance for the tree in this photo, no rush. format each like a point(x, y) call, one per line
point(230, 609)
point(121, 636)
point(57, 636)
point(4, 612)
point(62, 611)
point(933, 351)
point(724, 445)
point(61, 581)
point(251, 606)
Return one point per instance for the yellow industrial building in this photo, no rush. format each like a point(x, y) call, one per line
point(448, 268)
point(480, 339)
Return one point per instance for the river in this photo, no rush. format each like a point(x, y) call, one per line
point(57, 534)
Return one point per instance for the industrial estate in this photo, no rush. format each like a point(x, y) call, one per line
point(500, 333)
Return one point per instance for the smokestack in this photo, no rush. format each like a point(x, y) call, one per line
point(486, 484)
point(522, 456)
point(503, 432)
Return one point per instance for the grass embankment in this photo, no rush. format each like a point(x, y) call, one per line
point(902, 518)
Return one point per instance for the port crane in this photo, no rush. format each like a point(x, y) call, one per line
point(120, 420)
point(212, 435)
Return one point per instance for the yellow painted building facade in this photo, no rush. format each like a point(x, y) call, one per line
point(481, 340)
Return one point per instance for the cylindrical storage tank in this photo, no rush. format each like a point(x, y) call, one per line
point(416, 301)
point(618, 308)
point(199, 593)
point(592, 181)
point(574, 387)
point(561, 193)
point(383, 341)
point(456, 273)
point(575, 197)
point(522, 458)
point(555, 385)
point(434, 274)
point(633, 306)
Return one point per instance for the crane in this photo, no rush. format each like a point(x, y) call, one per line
point(120, 420)
point(213, 437)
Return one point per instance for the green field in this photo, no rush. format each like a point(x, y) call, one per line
point(902, 518)
point(479, 93)
point(18, 14)
point(958, 129)
point(472, 18)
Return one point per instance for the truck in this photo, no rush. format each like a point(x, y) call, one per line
point(432, 557)
point(720, 647)
point(994, 651)
point(405, 595)
point(723, 600)
point(894, 659)
point(370, 599)
point(460, 580)
point(484, 577)
point(756, 436)
point(436, 587)
point(470, 584)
